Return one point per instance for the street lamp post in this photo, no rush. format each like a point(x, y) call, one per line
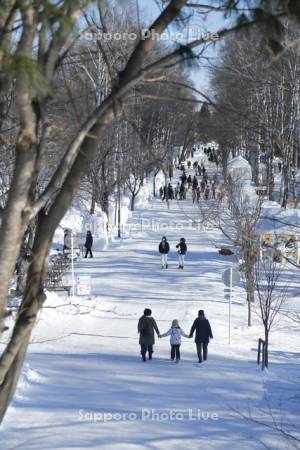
point(119, 196)
point(72, 264)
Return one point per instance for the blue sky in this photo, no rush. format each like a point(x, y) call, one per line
point(197, 25)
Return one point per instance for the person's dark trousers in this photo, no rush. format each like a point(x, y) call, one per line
point(200, 346)
point(175, 351)
point(88, 251)
point(146, 348)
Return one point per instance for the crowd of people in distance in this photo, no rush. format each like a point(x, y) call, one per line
point(200, 184)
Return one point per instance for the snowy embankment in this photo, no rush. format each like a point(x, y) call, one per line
point(87, 387)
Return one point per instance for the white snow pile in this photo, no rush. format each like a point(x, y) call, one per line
point(103, 228)
point(27, 378)
point(274, 218)
point(144, 196)
point(239, 169)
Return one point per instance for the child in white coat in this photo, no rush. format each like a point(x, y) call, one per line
point(175, 333)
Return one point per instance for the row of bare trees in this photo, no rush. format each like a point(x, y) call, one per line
point(71, 107)
point(257, 107)
point(60, 102)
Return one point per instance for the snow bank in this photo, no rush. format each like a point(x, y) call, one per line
point(103, 228)
point(275, 219)
point(144, 196)
point(239, 169)
point(27, 378)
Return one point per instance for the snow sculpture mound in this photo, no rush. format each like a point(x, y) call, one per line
point(239, 169)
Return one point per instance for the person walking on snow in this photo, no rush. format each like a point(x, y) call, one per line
point(206, 193)
point(194, 195)
point(182, 249)
point(183, 178)
point(67, 241)
point(146, 328)
point(161, 192)
point(213, 188)
point(195, 182)
point(182, 192)
point(203, 333)
point(175, 333)
point(170, 191)
point(88, 244)
point(198, 194)
point(164, 249)
point(177, 189)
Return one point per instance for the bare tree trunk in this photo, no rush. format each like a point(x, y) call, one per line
point(132, 202)
point(10, 382)
point(250, 288)
point(270, 173)
point(285, 181)
point(93, 201)
point(14, 220)
point(255, 173)
point(12, 359)
point(15, 215)
point(266, 347)
point(154, 183)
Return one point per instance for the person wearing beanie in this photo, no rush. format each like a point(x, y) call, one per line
point(164, 249)
point(88, 244)
point(182, 249)
point(146, 328)
point(203, 333)
point(175, 333)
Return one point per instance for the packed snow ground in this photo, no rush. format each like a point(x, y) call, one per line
point(84, 365)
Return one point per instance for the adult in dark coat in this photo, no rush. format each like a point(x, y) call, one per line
point(183, 178)
point(182, 192)
point(67, 240)
point(203, 333)
point(182, 249)
point(170, 191)
point(146, 328)
point(164, 248)
point(88, 244)
point(195, 182)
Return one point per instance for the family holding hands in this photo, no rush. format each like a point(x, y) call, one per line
point(147, 325)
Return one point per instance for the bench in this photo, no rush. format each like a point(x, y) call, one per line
point(57, 288)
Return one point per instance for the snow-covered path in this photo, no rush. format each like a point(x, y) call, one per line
point(85, 364)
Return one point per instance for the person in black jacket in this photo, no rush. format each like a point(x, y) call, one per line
point(146, 328)
point(88, 244)
point(203, 333)
point(164, 249)
point(182, 249)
